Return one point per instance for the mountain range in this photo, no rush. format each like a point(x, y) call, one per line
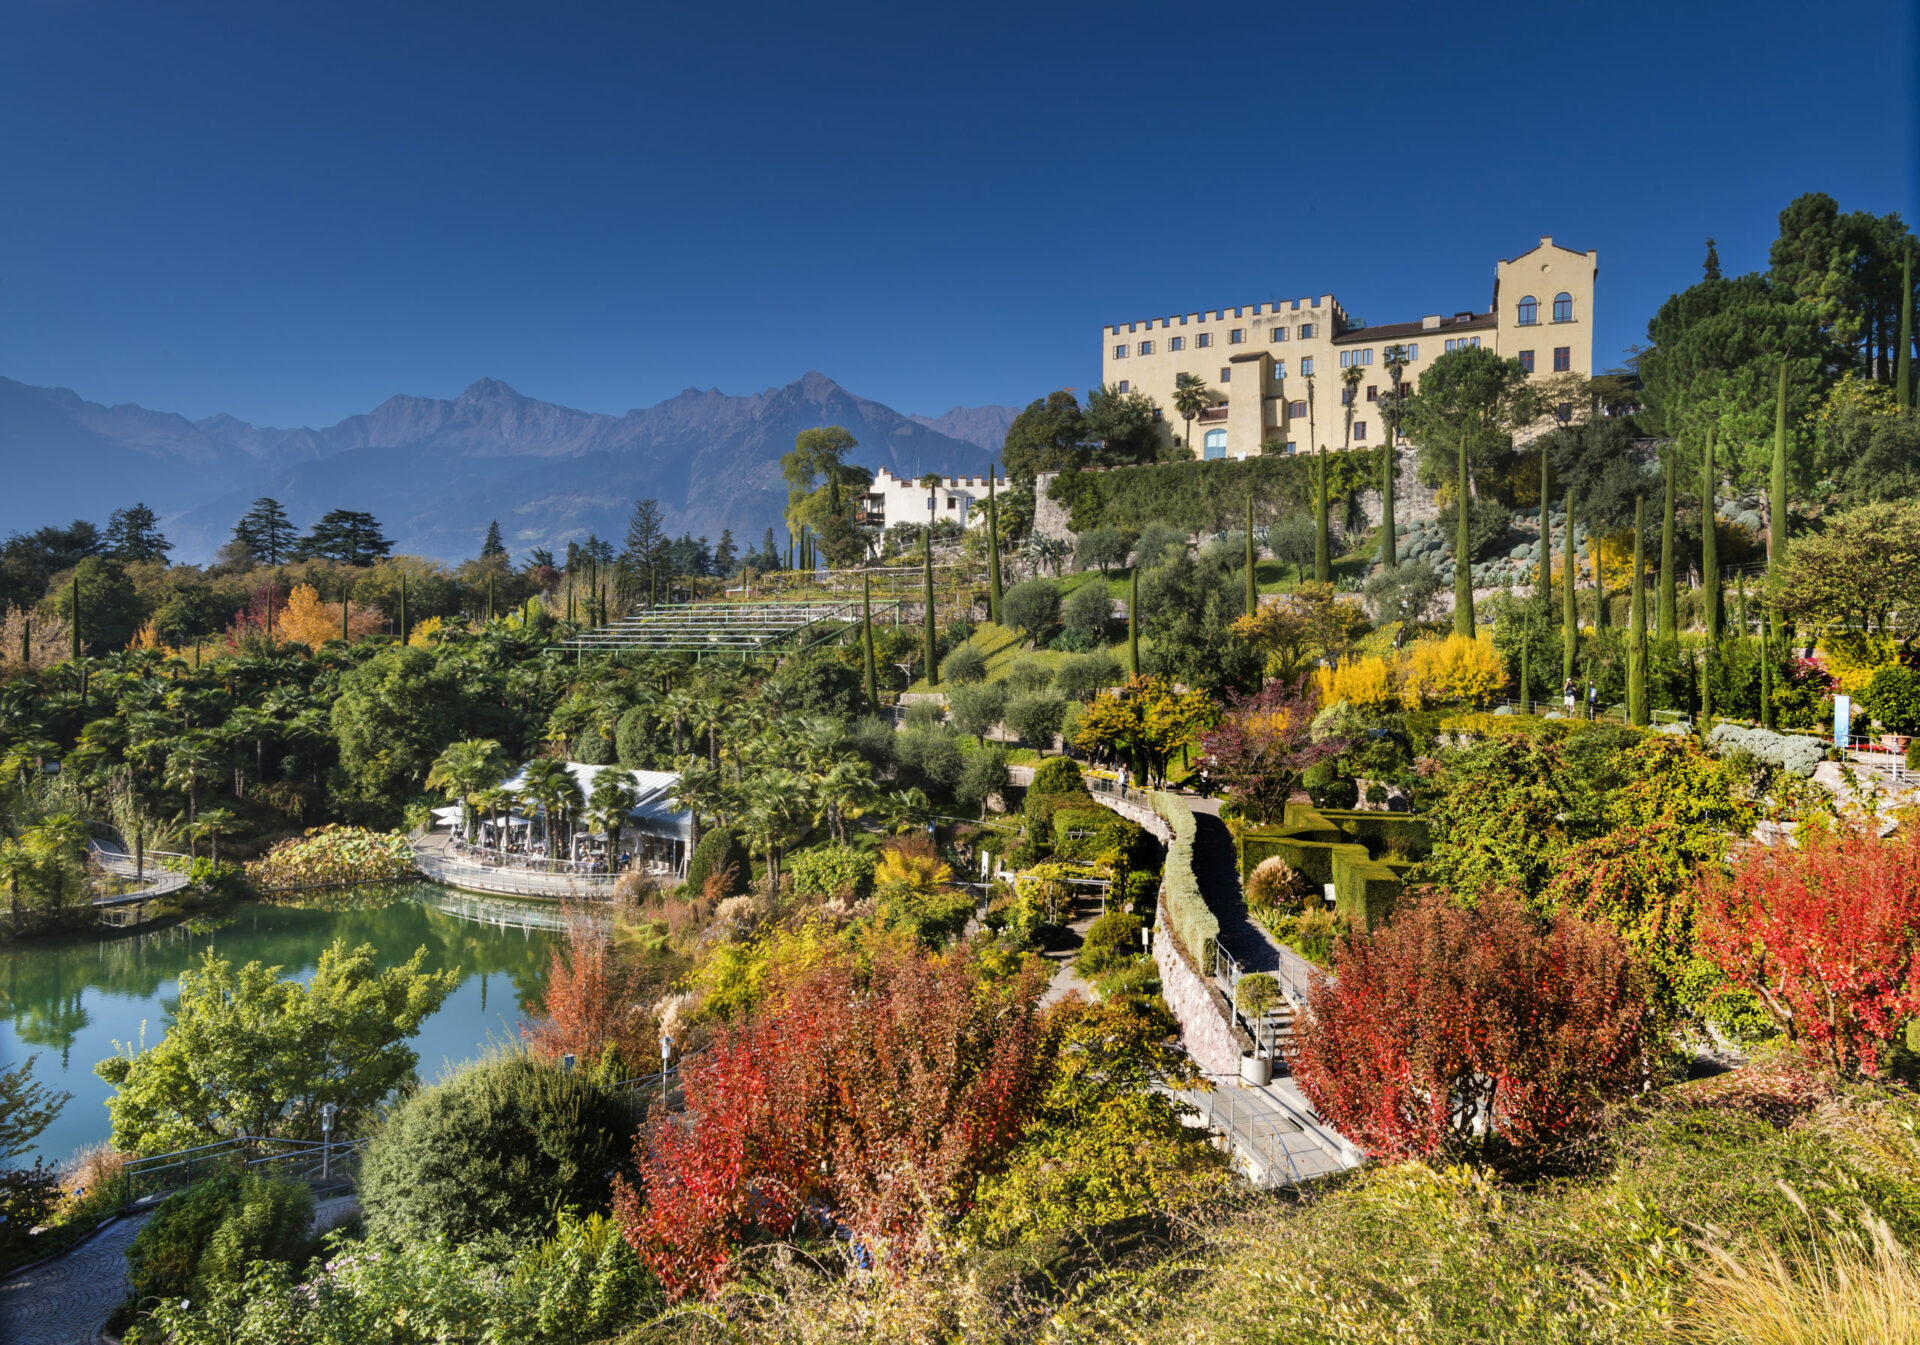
point(435, 472)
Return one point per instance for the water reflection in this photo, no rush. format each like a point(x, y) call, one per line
point(70, 1000)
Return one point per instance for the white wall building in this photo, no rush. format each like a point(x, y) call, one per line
point(893, 499)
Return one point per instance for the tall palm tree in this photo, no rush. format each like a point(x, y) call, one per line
point(191, 758)
point(213, 824)
point(614, 796)
point(1191, 396)
point(465, 768)
point(61, 837)
point(775, 807)
point(16, 862)
point(546, 784)
point(1349, 393)
point(1395, 358)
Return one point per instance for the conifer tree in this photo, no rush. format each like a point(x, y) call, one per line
point(266, 531)
point(403, 607)
point(1903, 361)
point(1669, 612)
point(868, 672)
point(1766, 678)
point(1709, 546)
point(1546, 530)
point(493, 546)
point(1569, 606)
point(1253, 585)
point(1777, 505)
point(933, 645)
point(1637, 710)
point(1462, 559)
point(1133, 622)
point(1322, 558)
point(993, 551)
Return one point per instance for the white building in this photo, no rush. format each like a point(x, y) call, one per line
point(893, 499)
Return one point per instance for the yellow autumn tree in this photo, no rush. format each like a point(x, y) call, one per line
point(312, 623)
point(1366, 682)
point(426, 633)
point(1457, 669)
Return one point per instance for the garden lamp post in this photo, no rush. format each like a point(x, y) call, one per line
point(666, 1054)
point(327, 1111)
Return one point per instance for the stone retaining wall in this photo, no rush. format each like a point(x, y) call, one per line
point(1205, 1030)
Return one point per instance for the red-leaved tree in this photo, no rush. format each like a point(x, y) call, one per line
point(1456, 1029)
point(1827, 935)
point(1264, 744)
point(593, 1002)
point(872, 1095)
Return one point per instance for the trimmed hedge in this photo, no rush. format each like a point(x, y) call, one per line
point(718, 851)
point(1187, 910)
point(1340, 847)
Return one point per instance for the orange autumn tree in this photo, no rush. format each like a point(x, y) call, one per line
point(596, 1005)
point(310, 622)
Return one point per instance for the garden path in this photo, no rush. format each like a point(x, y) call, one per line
point(68, 1299)
point(1218, 873)
point(1062, 949)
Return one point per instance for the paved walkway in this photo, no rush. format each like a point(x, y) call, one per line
point(1063, 948)
point(1217, 869)
point(68, 1300)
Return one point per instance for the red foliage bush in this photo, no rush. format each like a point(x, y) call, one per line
point(1827, 935)
point(592, 1002)
point(868, 1096)
point(1264, 744)
point(1456, 1028)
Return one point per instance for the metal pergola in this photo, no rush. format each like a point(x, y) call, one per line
point(726, 627)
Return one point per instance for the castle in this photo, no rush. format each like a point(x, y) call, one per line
point(1275, 371)
point(894, 499)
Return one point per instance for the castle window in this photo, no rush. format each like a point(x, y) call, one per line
point(1215, 444)
point(1359, 429)
point(1226, 375)
point(1563, 307)
point(1562, 359)
point(1146, 347)
point(1373, 393)
point(1277, 334)
point(1529, 311)
point(1176, 343)
point(1123, 386)
point(1563, 412)
point(1526, 361)
point(1120, 351)
point(1366, 356)
point(1306, 331)
point(1279, 371)
point(1204, 339)
point(1413, 352)
point(1306, 367)
point(1237, 336)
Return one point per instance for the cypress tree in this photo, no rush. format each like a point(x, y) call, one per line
point(1546, 531)
point(1133, 622)
point(1706, 690)
point(866, 642)
point(76, 619)
point(1602, 618)
point(1766, 678)
point(1569, 606)
point(489, 597)
point(593, 589)
point(933, 645)
point(1637, 710)
point(1526, 678)
point(1740, 602)
point(403, 607)
point(1777, 506)
point(1462, 562)
point(1322, 560)
point(271, 587)
point(1709, 547)
point(1253, 586)
point(346, 591)
point(993, 552)
point(789, 548)
point(1669, 596)
point(1903, 362)
point(26, 642)
point(1389, 543)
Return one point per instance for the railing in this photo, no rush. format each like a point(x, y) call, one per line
point(122, 865)
point(1259, 1132)
point(315, 1162)
point(513, 882)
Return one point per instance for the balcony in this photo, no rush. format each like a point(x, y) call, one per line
point(1212, 414)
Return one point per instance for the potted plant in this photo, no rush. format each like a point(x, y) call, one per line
point(1256, 996)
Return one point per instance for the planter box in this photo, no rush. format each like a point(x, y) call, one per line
point(1256, 1070)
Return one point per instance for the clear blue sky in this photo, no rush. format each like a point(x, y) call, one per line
point(290, 211)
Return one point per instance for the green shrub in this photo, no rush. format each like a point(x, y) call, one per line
point(828, 870)
point(983, 775)
point(1056, 775)
point(964, 666)
point(1111, 942)
point(494, 1153)
point(1088, 610)
point(1256, 993)
point(1138, 979)
point(927, 714)
point(591, 748)
point(1028, 675)
point(634, 741)
point(1893, 698)
point(1035, 716)
point(204, 1237)
point(719, 850)
point(1328, 788)
point(1032, 607)
point(1274, 883)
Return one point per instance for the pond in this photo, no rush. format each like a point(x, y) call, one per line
point(69, 1000)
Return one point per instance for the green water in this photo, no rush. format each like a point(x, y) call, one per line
point(70, 1000)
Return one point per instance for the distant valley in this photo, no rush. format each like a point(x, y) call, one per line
point(435, 471)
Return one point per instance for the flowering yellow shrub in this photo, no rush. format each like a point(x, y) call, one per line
point(426, 633)
point(1853, 657)
point(1446, 672)
point(1364, 682)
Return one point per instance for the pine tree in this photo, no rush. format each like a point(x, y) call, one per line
point(771, 551)
point(1637, 710)
point(134, 535)
point(348, 536)
point(1777, 505)
point(493, 546)
point(266, 531)
point(1569, 606)
point(1903, 362)
point(649, 548)
point(725, 555)
point(1669, 584)
point(1462, 559)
